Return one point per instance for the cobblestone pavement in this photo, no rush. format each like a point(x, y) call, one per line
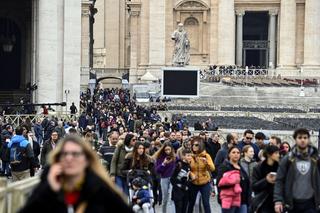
point(215, 207)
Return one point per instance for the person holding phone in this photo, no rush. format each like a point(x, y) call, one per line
point(263, 180)
point(165, 165)
point(201, 168)
point(75, 181)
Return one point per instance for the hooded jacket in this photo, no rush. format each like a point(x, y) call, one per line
point(27, 160)
point(201, 170)
point(283, 189)
point(230, 193)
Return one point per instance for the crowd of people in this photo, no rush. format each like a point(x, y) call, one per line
point(119, 155)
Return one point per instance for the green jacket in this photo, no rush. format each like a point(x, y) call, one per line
point(118, 160)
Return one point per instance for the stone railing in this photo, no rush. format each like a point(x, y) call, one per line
point(14, 195)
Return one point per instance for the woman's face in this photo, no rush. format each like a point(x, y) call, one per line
point(286, 147)
point(275, 156)
point(195, 146)
point(73, 159)
point(250, 153)
point(140, 150)
point(133, 141)
point(234, 155)
point(167, 150)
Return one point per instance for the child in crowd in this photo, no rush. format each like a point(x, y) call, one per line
point(180, 181)
point(141, 197)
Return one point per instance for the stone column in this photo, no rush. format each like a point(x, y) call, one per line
point(226, 33)
point(287, 46)
point(144, 32)
point(272, 37)
point(240, 14)
point(312, 34)
point(135, 8)
point(157, 35)
point(85, 33)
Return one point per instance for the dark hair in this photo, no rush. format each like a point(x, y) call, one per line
point(143, 160)
point(269, 150)
point(201, 143)
point(161, 151)
point(186, 151)
point(278, 140)
point(19, 130)
point(127, 139)
point(229, 138)
point(232, 148)
point(248, 131)
point(301, 131)
point(260, 136)
point(72, 131)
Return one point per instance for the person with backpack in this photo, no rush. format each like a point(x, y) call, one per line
point(21, 156)
point(297, 185)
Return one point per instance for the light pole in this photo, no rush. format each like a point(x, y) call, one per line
point(67, 93)
point(302, 94)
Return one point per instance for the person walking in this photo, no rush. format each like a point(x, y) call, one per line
point(201, 168)
point(165, 164)
point(21, 156)
point(263, 180)
point(297, 187)
point(232, 164)
point(118, 160)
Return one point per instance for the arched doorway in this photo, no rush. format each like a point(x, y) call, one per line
point(10, 54)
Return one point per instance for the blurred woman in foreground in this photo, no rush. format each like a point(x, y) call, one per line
point(75, 181)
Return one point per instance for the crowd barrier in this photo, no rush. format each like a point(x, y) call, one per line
point(14, 195)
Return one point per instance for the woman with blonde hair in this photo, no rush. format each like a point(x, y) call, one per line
point(75, 181)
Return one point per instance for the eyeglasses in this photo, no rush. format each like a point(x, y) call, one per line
point(248, 138)
point(73, 154)
point(195, 145)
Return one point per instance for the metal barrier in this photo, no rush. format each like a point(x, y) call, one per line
point(16, 120)
point(14, 195)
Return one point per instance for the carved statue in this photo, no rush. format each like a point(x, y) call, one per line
point(181, 56)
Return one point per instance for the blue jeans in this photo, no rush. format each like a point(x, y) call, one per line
point(121, 182)
point(166, 189)
point(242, 209)
point(205, 195)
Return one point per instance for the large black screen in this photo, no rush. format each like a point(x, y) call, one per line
point(180, 83)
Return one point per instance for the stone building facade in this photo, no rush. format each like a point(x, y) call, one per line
point(282, 35)
point(45, 50)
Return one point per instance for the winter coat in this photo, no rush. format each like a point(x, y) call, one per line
point(167, 170)
point(221, 156)
point(263, 190)
point(200, 170)
point(230, 193)
point(180, 180)
point(248, 166)
point(244, 181)
point(286, 173)
point(27, 157)
point(46, 149)
point(143, 195)
point(118, 160)
point(95, 193)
